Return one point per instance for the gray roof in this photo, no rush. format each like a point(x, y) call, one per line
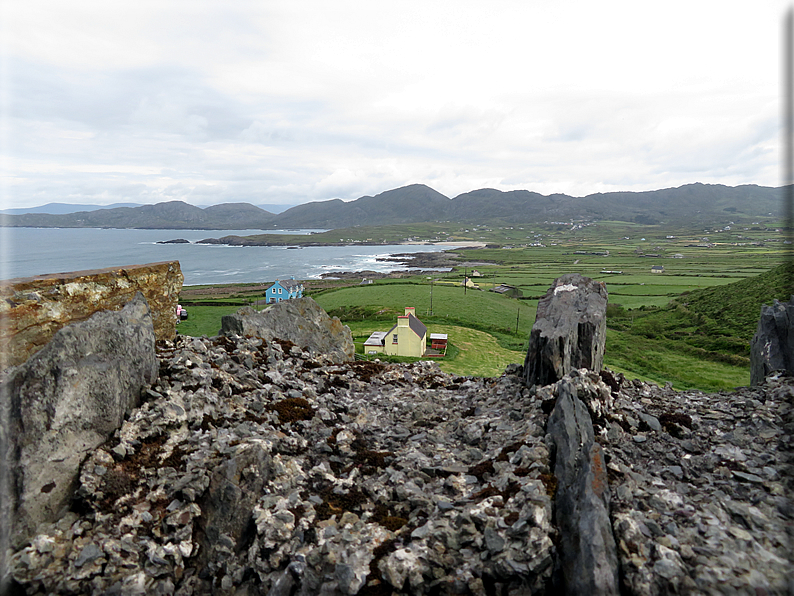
point(415, 324)
point(289, 284)
point(376, 339)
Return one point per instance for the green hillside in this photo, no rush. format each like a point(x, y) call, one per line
point(737, 306)
point(707, 325)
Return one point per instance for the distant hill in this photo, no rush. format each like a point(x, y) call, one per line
point(691, 203)
point(409, 204)
point(61, 208)
point(173, 215)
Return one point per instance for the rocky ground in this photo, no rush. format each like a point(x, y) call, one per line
point(701, 488)
point(256, 467)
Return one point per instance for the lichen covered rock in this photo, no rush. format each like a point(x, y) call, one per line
point(34, 308)
point(301, 321)
point(257, 467)
point(569, 331)
point(67, 400)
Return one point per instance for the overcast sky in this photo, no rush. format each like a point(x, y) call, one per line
point(289, 101)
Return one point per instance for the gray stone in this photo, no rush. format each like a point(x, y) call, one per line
point(89, 554)
point(235, 486)
point(651, 421)
point(569, 331)
point(301, 321)
point(68, 399)
point(493, 541)
point(772, 346)
point(288, 580)
point(748, 477)
point(588, 553)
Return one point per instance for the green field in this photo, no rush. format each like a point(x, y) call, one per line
point(686, 326)
point(204, 320)
point(477, 309)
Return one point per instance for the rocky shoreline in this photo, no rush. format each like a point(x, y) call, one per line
point(258, 467)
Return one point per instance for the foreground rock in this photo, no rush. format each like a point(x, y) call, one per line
point(256, 467)
point(569, 331)
point(772, 346)
point(300, 321)
point(701, 488)
point(588, 556)
point(33, 309)
point(67, 400)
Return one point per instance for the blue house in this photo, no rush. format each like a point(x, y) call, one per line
point(283, 290)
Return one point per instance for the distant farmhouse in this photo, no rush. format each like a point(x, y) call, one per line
point(657, 269)
point(407, 338)
point(506, 290)
point(283, 290)
point(469, 283)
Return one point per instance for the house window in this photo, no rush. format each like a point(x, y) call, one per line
point(279, 290)
point(394, 339)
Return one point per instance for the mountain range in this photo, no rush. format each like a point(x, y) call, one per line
point(691, 203)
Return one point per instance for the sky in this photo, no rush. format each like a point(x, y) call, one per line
point(290, 101)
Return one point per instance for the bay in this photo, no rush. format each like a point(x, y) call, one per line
point(28, 252)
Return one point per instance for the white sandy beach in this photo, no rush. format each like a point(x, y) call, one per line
point(455, 243)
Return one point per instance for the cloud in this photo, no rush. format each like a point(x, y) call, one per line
point(306, 100)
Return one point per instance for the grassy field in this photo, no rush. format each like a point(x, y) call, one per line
point(473, 352)
point(689, 325)
point(204, 320)
point(478, 309)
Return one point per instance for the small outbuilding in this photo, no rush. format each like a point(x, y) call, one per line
point(657, 269)
point(507, 290)
point(375, 342)
point(438, 341)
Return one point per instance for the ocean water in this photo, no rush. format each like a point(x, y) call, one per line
point(25, 252)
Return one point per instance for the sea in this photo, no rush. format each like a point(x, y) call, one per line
point(27, 252)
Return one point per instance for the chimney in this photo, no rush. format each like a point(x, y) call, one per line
point(410, 310)
point(402, 321)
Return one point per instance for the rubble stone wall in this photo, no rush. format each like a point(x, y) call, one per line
point(376, 478)
point(33, 309)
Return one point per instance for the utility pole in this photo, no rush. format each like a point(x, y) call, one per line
point(518, 313)
point(465, 281)
point(431, 296)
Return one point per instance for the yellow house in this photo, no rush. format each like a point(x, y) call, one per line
point(469, 283)
point(407, 338)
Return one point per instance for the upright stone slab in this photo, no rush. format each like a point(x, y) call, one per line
point(772, 346)
point(32, 309)
point(588, 553)
point(569, 331)
point(301, 321)
point(65, 401)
